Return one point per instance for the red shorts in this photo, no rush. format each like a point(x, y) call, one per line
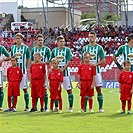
point(37, 88)
point(125, 92)
point(54, 92)
point(14, 88)
point(86, 89)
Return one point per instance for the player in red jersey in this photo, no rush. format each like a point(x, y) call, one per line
point(56, 78)
point(126, 86)
point(86, 75)
point(14, 77)
point(37, 83)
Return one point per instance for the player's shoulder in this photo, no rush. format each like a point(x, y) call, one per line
point(19, 68)
point(25, 46)
point(46, 47)
point(99, 46)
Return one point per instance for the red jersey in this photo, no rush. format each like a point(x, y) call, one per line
point(126, 78)
point(86, 71)
point(14, 74)
point(56, 75)
point(37, 71)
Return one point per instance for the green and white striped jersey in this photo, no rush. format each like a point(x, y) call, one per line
point(96, 53)
point(127, 53)
point(44, 51)
point(3, 51)
point(63, 56)
point(22, 53)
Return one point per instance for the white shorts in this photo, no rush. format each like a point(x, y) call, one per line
point(98, 80)
point(24, 82)
point(67, 83)
point(1, 78)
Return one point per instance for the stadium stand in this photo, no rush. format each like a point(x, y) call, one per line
point(109, 37)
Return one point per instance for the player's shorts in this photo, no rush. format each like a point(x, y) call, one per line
point(14, 88)
point(24, 82)
point(98, 80)
point(1, 78)
point(125, 92)
point(54, 92)
point(67, 83)
point(86, 89)
point(37, 88)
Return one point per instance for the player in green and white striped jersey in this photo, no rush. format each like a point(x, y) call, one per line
point(127, 52)
point(3, 51)
point(46, 53)
point(64, 56)
point(21, 51)
point(97, 59)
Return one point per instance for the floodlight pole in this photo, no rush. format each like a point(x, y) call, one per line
point(97, 12)
point(45, 12)
point(71, 13)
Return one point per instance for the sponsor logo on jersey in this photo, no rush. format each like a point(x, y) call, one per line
point(130, 55)
point(58, 73)
point(89, 68)
point(130, 76)
point(60, 57)
point(40, 67)
point(18, 54)
point(17, 72)
point(93, 55)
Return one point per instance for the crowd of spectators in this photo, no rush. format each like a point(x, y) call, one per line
point(109, 37)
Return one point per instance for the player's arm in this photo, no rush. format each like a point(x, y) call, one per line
point(48, 55)
point(101, 62)
point(68, 58)
point(131, 90)
point(79, 78)
point(119, 87)
point(93, 77)
point(93, 82)
point(5, 52)
point(27, 62)
point(79, 82)
point(65, 67)
point(59, 86)
point(102, 57)
point(27, 57)
point(117, 53)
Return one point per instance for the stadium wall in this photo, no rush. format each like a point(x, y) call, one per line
point(57, 16)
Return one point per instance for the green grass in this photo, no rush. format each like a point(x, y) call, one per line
point(40, 122)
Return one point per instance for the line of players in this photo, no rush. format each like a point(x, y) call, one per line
point(93, 53)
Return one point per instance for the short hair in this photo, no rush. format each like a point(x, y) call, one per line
point(59, 38)
point(86, 53)
point(55, 59)
point(126, 62)
point(39, 35)
point(37, 53)
point(130, 36)
point(14, 57)
point(92, 32)
point(20, 35)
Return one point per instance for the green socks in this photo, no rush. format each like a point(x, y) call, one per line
point(70, 98)
point(85, 105)
point(100, 100)
point(1, 97)
point(36, 102)
point(26, 98)
point(46, 101)
point(56, 103)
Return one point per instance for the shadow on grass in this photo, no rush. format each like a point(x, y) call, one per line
point(116, 115)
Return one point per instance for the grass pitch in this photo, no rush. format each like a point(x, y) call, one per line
point(40, 122)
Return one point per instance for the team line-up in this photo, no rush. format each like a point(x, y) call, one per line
point(89, 76)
